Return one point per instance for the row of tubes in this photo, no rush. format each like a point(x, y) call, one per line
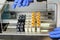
point(35, 24)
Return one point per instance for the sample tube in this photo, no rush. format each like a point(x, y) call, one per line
point(26, 28)
point(33, 22)
point(38, 20)
point(27, 24)
point(30, 29)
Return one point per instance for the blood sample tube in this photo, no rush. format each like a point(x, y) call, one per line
point(38, 20)
point(33, 21)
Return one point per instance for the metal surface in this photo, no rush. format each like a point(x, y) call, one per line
point(19, 12)
point(23, 33)
point(13, 35)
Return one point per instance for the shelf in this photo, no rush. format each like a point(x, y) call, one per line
point(10, 21)
point(15, 20)
point(24, 34)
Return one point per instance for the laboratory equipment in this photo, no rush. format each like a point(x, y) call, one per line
point(1, 10)
point(34, 21)
point(31, 20)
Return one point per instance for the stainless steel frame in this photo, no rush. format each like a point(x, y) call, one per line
point(28, 34)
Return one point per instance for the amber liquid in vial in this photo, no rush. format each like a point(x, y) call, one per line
point(38, 20)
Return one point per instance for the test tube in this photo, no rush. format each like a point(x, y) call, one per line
point(26, 28)
point(38, 20)
point(28, 22)
point(26, 25)
point(30, 29)
point(33, 21)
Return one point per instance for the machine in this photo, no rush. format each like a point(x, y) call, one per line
point(39, 18)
